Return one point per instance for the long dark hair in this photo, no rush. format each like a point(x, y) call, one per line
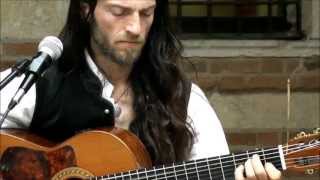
point(159, 87)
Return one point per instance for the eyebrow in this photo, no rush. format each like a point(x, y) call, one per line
point(128, 8)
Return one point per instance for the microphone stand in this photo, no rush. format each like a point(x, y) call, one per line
point(17, 70)
point(4, 117)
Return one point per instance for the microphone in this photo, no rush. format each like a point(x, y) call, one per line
point(49, 50)
point(17, 70)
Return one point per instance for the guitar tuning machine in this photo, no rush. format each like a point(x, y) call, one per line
point(303, 134)
point(300, 135)
point(316, 131)
point(309, 171)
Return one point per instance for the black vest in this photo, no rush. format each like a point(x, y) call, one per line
point(67, 103)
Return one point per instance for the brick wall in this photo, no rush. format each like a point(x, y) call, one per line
point(255, 73)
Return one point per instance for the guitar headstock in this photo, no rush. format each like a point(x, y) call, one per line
point(302, 154)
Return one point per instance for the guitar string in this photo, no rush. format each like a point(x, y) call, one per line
point(190, 173)
point(290, 164)
point(184, 174)
point(238, 160)
point(200, 167)
point(288, 148)
point(194, 174)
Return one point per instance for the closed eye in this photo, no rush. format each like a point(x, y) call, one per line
point(119, 11)
point(148, 12)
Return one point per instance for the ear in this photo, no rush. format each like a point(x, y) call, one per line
point(85, 9)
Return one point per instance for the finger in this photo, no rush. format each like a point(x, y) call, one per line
point(258, 168)
point(249, 170)
point(273, 173)
point(238, 173)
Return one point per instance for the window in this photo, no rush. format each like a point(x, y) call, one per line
point(237, 19)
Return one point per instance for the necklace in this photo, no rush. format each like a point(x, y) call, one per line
point(117, 108)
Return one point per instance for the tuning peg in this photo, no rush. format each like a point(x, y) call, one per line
point(316, 131)
point(309, 171)
point(300, 135)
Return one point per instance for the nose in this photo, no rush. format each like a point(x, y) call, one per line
point(134, 25)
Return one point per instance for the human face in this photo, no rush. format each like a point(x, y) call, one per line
point(120, 28)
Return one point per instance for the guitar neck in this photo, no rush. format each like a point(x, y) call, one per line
point(220, 167)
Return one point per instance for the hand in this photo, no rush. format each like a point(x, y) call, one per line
point(256, 171)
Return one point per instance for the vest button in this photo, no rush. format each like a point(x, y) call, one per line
point(106, 111)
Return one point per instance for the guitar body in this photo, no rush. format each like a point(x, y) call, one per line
point(91, 153)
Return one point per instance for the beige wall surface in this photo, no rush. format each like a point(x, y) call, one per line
point(25, 20)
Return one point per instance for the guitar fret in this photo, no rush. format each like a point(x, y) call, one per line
point(142, 174)
point(180, 171)
point(221, 168)
point(160, 174)
point(133, 174)
point(185, 170)
point(198, 169)
point(202, 169)
point(170, 173)
point(155, 172)
point(191, 170)
point(209, 168)
point(248, 156)
point(196, 165)
point(175, 172)
point(234, 161)
point(129, 175)
point(164, 172)
point(228, 166)
point(138, 175)
point(146, 173)
point(151, 173)
point(215, 168)
point(117, 176)
point(263, 156)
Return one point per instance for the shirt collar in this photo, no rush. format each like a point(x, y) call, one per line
point(107, 86)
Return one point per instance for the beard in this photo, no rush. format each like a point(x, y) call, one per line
point(126, 56)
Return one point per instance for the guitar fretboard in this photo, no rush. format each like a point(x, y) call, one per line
point(215, 168)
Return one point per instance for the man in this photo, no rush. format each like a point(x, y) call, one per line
point(119, 67)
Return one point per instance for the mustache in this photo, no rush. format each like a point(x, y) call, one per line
point(128, 39)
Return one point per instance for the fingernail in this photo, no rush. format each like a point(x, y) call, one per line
point(255, 156)
point(241, 166)
point(268, 164)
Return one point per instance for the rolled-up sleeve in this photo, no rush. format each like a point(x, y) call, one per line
point(209, 139)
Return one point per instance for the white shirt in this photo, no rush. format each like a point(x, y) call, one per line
point(210, 140)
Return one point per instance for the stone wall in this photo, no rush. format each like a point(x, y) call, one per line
point(245, 81)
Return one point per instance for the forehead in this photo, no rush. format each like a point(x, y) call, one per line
point(132, 4)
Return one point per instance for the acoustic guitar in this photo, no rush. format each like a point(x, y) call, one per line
point(112, 154)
